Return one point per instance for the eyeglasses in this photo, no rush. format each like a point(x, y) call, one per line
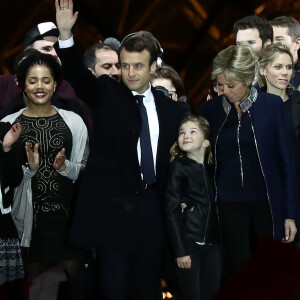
point(171, 94)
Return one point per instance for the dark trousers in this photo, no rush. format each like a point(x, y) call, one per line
point(136, 274)
point(243, 226)
point(202, 281)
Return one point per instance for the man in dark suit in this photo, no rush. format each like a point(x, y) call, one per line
point(119, 209)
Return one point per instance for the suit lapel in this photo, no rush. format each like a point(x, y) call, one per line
point(163, 117)
point(295, 111)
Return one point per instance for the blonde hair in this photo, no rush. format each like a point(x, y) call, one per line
point(237, 63)
point(203, 125)
point(267, 56)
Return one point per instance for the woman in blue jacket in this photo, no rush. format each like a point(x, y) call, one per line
point(254, 164)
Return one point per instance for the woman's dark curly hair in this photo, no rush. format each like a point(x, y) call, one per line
point(37, 58)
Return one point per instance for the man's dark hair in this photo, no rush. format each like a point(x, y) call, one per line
point(140, 41)
point(291, 23)
point(89, 58)
point(264, 28)
point(38, 58)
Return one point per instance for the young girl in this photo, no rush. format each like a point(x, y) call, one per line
point(191, 212)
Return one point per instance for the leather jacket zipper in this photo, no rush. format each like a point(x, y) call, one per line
point(209, 208)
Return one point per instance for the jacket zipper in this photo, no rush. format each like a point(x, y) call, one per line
point(262, 172)
point(240, 155)
point(215, 173)
point(207, 220)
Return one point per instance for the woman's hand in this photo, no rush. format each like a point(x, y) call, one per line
point(11, 137)
point(33, 157)
point(184, 262)
point(290, 230)
point(59, 161)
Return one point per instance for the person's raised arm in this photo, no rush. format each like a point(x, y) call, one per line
point(65, 18)
point(82, 80)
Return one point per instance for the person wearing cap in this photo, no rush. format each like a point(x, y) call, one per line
point(119, 209)
point(102, 58)
point(42, 38)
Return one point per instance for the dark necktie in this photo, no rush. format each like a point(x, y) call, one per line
point(147, 165)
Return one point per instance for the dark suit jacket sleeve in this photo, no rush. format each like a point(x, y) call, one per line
point(11, 174)
point(287, 156)
point(11, 167)
point(86, 85)
point(173, 199)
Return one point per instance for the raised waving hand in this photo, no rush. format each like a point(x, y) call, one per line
point(65, 18)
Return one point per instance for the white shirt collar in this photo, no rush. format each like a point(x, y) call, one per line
point(148, 94)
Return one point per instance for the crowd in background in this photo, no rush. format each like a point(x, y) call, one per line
point(110, 184)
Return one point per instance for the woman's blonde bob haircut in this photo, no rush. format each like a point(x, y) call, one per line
point(238, 63)
point(267, 56)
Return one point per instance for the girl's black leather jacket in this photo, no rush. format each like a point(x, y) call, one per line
point(189, 182)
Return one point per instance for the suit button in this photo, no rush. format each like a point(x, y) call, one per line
point(133, 131)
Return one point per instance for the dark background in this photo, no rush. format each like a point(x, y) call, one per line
point(191, 32)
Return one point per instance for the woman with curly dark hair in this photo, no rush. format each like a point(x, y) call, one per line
point(43, 201)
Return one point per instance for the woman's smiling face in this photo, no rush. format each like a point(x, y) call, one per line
point(39, 85)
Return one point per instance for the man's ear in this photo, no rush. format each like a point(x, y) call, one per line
point(267, 42)
point(206, 143)
point(297, 41)
point(262, 71)
point(90, 69)
point(153, 67)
